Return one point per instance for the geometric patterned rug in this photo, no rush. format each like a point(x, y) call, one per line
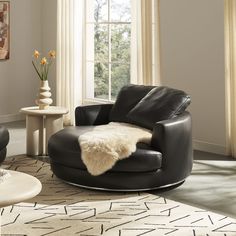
point(62, 209)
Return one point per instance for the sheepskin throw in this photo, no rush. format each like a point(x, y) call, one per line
point(102, 147)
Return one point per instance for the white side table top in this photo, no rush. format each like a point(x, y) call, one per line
point(52, 110)
point(18, 187)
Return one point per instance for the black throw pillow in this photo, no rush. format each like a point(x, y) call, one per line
point(127, 98)
point(161, 103)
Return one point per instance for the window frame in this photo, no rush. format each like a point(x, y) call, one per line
point(109, 23)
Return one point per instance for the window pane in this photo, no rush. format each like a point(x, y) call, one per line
point(100, 10)
point(120, 76)
point(101, 43)
point(121, 10)
point(101, 80)
point(108, 35)
point(120, 43)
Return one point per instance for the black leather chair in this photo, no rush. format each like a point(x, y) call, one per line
point(4, 139)
point(166, 162)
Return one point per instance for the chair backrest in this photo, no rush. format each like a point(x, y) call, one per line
point(146, 105)
point(127, 99)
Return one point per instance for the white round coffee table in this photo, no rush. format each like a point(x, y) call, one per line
point(40, 125)
point(18, 188)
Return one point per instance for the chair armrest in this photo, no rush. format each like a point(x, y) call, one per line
point(92, 114)
point(173, 138)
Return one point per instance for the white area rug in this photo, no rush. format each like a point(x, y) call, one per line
point(61, 209)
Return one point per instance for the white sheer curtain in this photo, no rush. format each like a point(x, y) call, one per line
point(145, 53)
point(230, 76)
point(69, 55)
point(145, 66)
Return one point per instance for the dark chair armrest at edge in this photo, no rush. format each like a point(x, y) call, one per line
point(92, 114)
point(173, 138)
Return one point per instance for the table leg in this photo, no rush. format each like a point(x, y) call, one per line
point(34, 135)
point(52, 125)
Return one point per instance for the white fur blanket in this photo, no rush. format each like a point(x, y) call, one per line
point(102, 147)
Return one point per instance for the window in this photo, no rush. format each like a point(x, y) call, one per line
point(107, 49)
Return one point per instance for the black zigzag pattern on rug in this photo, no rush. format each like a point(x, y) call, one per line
point(61, 209)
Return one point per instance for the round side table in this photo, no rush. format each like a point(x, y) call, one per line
point(18, 188)
point(40, 125)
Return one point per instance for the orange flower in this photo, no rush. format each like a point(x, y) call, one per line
point(52, 54)
point(43, 61)
point(36, 54)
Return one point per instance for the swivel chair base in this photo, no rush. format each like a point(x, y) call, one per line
point(174, 185)
point(111, 181)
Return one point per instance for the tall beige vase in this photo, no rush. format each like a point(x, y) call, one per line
point(44, 96)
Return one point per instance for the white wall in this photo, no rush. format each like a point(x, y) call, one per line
point(32, 26)
point(18, 81)
point(192, 59)
point(49, 38)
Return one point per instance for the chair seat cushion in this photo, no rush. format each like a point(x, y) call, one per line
point(64, 149)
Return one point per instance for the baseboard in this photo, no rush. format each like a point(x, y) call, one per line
point(209, 147)
point(11, 118)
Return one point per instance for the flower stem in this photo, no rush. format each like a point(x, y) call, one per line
point(36, 70)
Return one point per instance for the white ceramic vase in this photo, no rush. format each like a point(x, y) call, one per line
point(44, 96)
